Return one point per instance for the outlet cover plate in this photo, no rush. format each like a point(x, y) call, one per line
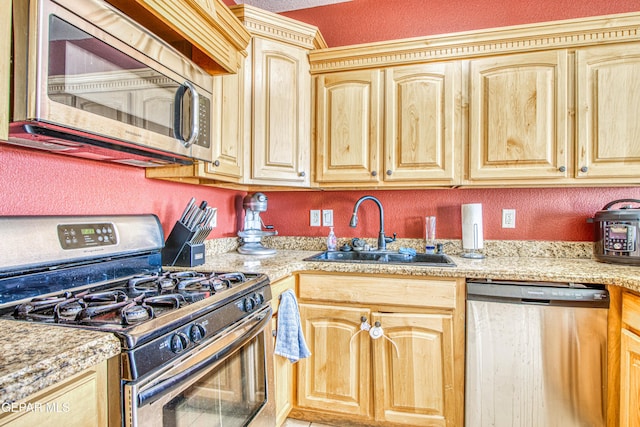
point(327, 217)
point(314, 218)
point(508, 218)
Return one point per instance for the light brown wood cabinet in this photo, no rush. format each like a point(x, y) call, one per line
point(280, 139)
point(284, 370)
point(348, 127)
point(413, 375)
point(5, 64)
point(78, 401)
point(261, 115)
point(227, 159)
point(630, 361)
point(518, 115)
point(608, 129)
point(389, 127)
point(204, 30)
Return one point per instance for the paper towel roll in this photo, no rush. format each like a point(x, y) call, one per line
point(472, 221)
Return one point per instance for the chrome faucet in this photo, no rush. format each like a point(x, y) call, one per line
point(382, 239)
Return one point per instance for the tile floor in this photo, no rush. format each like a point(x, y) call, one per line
point(290, 422)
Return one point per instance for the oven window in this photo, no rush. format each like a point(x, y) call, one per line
point(229, 396)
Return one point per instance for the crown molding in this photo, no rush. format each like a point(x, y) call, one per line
point(564, 34)
point(270, 25)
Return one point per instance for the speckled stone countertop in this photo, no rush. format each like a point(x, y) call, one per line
point(35, 356)
point(583, 270)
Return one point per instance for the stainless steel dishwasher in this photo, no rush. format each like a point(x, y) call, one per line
point(536, 354)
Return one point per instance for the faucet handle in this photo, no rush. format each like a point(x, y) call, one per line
point(389, 239)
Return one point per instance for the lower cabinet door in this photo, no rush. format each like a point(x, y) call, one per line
point(283, 379)
point(414, 369)
point(337, 376)
point(630, 380)
point(78, 401)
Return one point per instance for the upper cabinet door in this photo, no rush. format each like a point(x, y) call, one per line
point(348, 128)
point(519, 117)
point(282, 113)
point(423, 124)
point(226, 135)
point(608, 97)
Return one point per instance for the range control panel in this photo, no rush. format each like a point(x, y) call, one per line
point(76, 236)
point(620, 237)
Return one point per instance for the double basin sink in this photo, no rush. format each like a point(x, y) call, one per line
point(384, 257)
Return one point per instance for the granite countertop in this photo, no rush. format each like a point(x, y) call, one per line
point(35, 356)
point(286, 262)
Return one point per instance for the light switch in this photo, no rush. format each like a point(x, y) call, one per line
point(327, 217)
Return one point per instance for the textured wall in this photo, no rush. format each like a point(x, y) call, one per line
point(35, 183)
point(362, 21)
point(541, 214)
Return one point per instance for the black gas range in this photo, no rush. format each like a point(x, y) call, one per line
point(104, 273)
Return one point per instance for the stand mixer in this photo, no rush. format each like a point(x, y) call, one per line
point(252, 232)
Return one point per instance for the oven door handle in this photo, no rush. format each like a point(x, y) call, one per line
point(246, 332)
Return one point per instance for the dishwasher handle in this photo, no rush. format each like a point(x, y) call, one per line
point(525, 293)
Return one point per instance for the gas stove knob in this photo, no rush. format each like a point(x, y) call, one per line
point(249, 304)
point(179, 342)
point(258, 298)
point(197, 332)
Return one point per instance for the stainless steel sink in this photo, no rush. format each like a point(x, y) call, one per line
point(384, 257)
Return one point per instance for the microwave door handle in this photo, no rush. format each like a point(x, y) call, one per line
point(195, 114)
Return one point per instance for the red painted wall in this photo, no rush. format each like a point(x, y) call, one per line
point(363, 21)
point(36, 183)
point(541, 213)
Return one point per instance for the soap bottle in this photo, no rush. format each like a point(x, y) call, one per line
point(332, 241)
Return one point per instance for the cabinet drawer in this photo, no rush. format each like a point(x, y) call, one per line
point(404, 291)
point(631, 310)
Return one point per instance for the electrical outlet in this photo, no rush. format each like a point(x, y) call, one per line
point(314, 218)
point(327, 217)
point(508, 218)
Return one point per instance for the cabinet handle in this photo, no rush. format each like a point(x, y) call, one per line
point(562, 168)
point(584, 169)
point(374, 173)
point(364, 326)
point(216, 163)
point(302, 174)
point(389, 172)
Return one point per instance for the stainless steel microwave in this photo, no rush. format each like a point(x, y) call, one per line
point(90, 82)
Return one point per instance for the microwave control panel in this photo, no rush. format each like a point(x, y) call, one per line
point(77, 236)
point(620, 237)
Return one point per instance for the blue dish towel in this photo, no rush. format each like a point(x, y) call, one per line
point(290, 341)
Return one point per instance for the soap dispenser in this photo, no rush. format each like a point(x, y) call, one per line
point(332, 241)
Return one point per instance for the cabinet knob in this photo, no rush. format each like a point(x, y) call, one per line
point(302, 174)
point(216, 163)
point(584, 169)
point(374, 173)
point(562, 168)
point(389, 172)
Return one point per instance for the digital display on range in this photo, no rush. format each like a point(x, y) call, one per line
point(77, 236)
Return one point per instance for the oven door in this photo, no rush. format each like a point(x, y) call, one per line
point(222, 383)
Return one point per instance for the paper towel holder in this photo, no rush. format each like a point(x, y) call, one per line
point(471, 252)
point(472, 239)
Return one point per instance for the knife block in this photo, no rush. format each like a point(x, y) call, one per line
point(178, 249)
